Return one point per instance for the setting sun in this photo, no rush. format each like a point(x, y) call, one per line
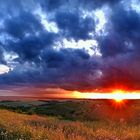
point(118, 95)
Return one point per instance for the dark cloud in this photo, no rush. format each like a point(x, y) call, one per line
point(30, 47)
point(21, 25)
point(112, 45)
point(40, 59)
point(94, 4)
point(120, 49)
point(1, 56)
point(51, 5)
point(64, 69)
point(74, 26)
point(123, 71)
point(126, 23)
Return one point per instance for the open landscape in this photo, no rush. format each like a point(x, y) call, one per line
point(69, 120)
point(69, 69)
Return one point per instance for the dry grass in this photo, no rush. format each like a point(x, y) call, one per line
point(14, 126)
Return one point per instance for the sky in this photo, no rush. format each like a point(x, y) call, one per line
point(50, 47)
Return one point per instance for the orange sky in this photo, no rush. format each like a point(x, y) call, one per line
point(61, 93)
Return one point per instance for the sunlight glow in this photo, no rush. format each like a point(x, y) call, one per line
point(117, 95)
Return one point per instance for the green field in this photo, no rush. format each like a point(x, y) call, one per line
point(69, 120)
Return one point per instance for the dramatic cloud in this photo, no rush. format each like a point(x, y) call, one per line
point(70, 44)
point(74, 26)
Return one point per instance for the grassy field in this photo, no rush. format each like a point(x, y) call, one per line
point(68, 120)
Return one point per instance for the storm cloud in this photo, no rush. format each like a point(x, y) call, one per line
point(40, 42)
